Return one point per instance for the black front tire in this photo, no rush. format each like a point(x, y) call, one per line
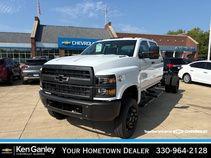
point(56, 115)
point(175, 89)
point(125, 124)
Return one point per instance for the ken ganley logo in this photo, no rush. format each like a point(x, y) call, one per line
point(6, 151)
point(34, 150)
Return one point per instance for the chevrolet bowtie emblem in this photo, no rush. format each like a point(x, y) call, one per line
point(6, 151)
point(66, 42)
point(62, 78)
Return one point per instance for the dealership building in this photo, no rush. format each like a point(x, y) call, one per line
point(54, 41)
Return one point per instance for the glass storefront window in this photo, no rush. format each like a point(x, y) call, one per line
point(21, 54)
point(17, 54)
point(72, 52)
point(48, 52)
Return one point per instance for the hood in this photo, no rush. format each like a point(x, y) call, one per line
point(98, 62)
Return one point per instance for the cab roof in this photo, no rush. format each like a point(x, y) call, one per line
point(128, 38)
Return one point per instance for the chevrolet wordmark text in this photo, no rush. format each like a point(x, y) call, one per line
point(104, 83)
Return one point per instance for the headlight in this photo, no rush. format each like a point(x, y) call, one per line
point(41, 77)
point(106, 86)
point(40, 83)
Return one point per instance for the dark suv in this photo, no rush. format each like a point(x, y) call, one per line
point(31, 70)
point(9, 70)
point(174, 64)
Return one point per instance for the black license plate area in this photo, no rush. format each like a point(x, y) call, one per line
point(66, 107)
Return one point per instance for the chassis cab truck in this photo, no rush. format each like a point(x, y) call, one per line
point(104, 83)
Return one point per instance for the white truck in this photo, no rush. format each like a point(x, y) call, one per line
point(104, 83)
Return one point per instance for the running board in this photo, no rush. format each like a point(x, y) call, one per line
point(151, 93)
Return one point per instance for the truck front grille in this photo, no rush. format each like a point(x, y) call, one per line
point(68, 81)
point(71, 73)
point(67, 91)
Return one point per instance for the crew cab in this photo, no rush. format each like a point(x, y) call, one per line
point(104, 83)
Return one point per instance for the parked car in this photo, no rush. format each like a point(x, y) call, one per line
point(31, 70)
point(188, 61)
point(199, 71)
point(9, 70)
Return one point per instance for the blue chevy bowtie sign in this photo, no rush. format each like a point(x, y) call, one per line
point(75, 43)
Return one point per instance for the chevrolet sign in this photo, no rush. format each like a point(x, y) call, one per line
point(75, 43)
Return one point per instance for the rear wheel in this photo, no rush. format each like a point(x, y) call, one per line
point(174, 89)
point(125, 124)
point(56, 115)
point(20, 77)
point(187, 78)
point(24, 81)
point(173, 84)
point(10, 79)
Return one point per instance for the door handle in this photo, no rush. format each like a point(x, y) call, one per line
point(205, 72)
point(153, 62)
point(191, 70)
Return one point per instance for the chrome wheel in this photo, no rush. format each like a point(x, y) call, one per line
point(187, 78)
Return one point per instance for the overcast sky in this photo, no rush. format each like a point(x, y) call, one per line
point(137, 16)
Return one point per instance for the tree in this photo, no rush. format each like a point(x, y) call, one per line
point(202, 37)
point(180, 31)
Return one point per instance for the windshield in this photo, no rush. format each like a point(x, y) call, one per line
point(177, 61)
point(121, 47)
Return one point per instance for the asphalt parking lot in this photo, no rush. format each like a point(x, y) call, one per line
point(22, 115)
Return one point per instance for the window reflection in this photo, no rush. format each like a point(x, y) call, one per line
point(17, 54)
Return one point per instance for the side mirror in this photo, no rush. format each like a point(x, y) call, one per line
point(154, 52)
point(142, 54)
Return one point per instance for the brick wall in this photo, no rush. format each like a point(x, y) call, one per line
point(169, 40)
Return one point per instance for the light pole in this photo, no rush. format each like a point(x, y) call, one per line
point(209, 46)
point(106, 14)
point(38, 8)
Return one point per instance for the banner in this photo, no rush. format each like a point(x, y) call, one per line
point(96, 150)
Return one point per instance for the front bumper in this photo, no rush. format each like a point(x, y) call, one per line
point(30, 78)
point(31, 75)
point(83, 109)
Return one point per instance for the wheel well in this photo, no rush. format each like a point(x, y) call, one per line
point(131, 92)
point(185, 74)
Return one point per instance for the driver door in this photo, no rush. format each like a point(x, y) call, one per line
point(144, 65)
